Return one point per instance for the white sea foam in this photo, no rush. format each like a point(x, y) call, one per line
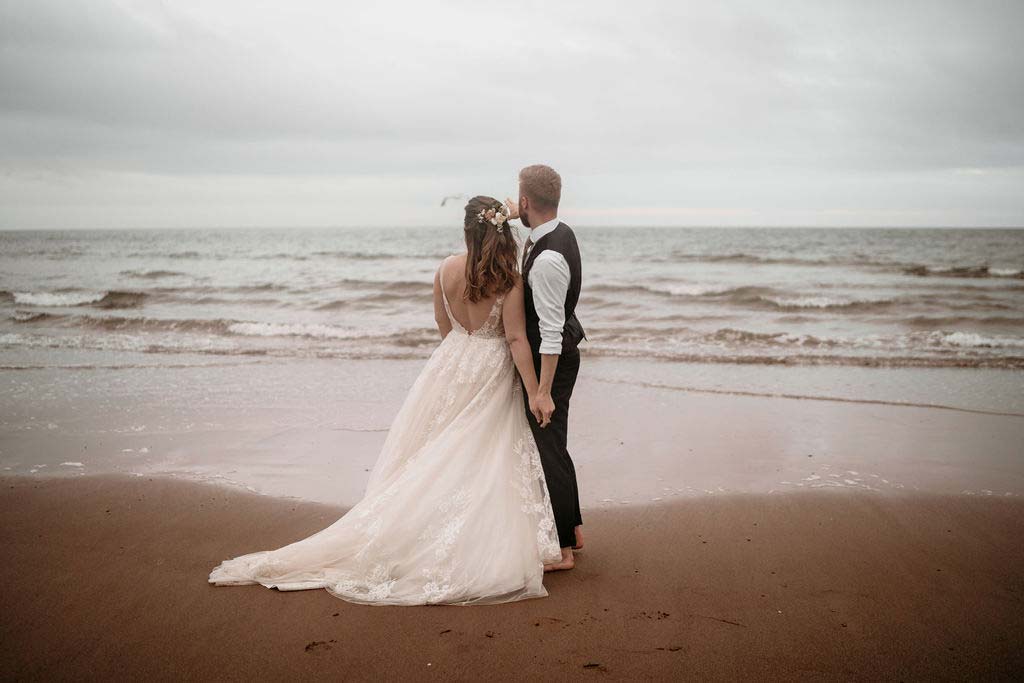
point(821, 301)
point(57, 298)
point(973, 340)
point(296, 330)
point(690, 289)
point(73, 464)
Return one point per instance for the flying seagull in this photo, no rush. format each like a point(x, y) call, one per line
point(452, 197)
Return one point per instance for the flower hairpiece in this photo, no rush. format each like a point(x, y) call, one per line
point(495, 217)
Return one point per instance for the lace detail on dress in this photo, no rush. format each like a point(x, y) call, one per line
point(375, 586)
point(442, 534)
point(533, 491)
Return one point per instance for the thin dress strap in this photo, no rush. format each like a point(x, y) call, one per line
point(444, 295)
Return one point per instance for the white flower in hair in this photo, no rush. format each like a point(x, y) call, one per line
point(496, 218)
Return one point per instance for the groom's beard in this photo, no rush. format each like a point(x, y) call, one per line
point(524, 218)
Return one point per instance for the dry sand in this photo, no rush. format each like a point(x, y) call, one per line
point(105, 577)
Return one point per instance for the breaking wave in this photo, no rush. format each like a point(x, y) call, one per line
point(72, 298)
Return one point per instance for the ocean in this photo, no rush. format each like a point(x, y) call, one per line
point(276, 359)
point(848, 297)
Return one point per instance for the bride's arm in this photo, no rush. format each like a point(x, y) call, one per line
point(444, 325)
point(514, 318)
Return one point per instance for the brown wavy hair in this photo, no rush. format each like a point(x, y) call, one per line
point(492, 260)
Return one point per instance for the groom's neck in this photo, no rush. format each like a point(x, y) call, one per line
point(537, 218)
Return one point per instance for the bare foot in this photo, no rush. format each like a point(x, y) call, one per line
point(567, 562)
point(579, 538)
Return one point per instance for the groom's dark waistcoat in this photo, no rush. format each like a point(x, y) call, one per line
point(563, 240)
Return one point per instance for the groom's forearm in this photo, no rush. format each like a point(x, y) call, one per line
point(548, 364)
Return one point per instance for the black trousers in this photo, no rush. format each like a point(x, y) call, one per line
point(559, 471)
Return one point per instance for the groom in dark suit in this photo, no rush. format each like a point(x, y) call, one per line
point(551, 287)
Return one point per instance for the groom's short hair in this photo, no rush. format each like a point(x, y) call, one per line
point(542, 185)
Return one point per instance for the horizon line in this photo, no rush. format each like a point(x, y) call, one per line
point(624, 226)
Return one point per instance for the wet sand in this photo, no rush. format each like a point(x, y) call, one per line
point(314, 429)
point(105, 578)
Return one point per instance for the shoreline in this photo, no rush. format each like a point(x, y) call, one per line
point(107, 578)
point(809, 397)
point(313, 431)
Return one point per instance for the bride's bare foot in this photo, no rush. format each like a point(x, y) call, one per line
point(567, 562)
point(579, 538)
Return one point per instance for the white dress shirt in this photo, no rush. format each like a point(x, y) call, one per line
point(549, 280)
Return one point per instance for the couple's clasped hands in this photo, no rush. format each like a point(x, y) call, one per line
point(542, 406)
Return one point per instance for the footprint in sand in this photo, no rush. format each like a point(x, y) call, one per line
point(319, 645)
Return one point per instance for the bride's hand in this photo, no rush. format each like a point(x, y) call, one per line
point(513, 208)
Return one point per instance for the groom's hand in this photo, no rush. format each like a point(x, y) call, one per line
point(513, 208)
point(535, 409)
point(545, 406)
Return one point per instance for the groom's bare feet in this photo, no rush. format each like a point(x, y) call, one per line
point(579, 538)
point(567, 562)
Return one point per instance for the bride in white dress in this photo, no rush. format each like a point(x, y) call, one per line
point(456, 510)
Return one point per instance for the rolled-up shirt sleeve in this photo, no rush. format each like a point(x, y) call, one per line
point(549, 280)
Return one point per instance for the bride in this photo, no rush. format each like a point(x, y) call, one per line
point(456, 510)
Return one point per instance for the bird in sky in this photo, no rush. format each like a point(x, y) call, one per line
point(452, 197)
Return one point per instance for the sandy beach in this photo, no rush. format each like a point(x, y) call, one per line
point(105, 579)
point(728, 535)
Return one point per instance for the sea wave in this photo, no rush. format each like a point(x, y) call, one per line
point(976, 271)
point(813, 359)
point(353, 255)
point(114, 323)
point(915, 269)
point(152, 274)
point(317, 331)
point(739, 257)
point(401, 344)
point(949, 340)
point(222, 327)
point(73, 298)
point(680, 289)
point(727, 345)
point(410, 286)
point(939, 321)
point(826, 302)
point(974, 340)
point(756, 296)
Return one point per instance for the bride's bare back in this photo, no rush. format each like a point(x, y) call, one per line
point(471, 315)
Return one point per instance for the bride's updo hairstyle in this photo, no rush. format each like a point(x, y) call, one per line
point(492, 259)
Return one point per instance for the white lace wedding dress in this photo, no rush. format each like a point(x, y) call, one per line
point(456, 510)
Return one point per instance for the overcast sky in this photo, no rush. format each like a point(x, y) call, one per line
point(116, 113)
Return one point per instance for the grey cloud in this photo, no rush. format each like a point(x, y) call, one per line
point(889, 109)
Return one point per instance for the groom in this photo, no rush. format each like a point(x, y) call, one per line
point(551, 287)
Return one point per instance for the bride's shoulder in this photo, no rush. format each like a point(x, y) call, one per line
point(444, 265)
point(452, 258)
point(515, 289)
